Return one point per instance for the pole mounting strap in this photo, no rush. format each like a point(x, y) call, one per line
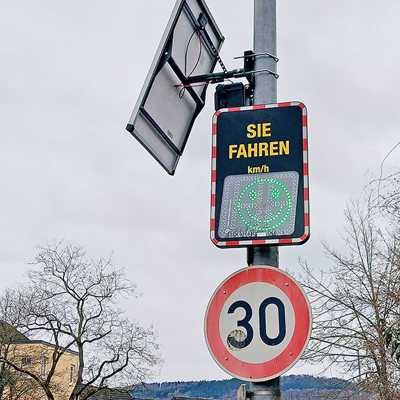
point(264, 53)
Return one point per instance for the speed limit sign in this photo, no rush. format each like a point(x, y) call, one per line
point(258, 323)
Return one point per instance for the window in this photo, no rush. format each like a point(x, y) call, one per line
point(71, 374)
point(43, 369)
point(26, 361)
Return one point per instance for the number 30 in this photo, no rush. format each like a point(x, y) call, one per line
point(263, 323)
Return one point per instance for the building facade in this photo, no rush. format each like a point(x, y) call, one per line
point(35, 357)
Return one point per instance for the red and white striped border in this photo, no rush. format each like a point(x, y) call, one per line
point(240, 243)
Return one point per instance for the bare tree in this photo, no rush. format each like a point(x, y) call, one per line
point(387, 197)
point(75, 305)
point(353, 303)
point(388, 202)
point(20, 359)
point(8, 335)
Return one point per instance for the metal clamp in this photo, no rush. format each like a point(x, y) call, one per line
point(240, 74)
point(275, 58)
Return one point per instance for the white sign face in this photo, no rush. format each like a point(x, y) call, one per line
point(265, 298)
point(258, 323)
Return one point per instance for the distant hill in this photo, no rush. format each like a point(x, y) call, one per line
point(295, 385)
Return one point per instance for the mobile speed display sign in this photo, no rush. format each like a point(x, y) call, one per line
point(259, 176)
point(258, 323)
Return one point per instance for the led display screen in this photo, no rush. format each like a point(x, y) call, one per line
point(258, 205)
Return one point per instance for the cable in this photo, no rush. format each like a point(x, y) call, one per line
point(199, 56)
point(183, 89)
point(215, 54)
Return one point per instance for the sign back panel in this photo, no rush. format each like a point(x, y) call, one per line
point(259, 191)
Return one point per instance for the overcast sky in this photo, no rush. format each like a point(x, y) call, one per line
point(71, 72)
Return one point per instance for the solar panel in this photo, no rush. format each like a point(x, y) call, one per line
point(167, 107)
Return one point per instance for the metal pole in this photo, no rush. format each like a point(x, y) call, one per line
point(359, 374)
point(264, 93)
point(265, 41)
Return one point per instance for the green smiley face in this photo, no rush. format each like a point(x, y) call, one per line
point(264, 204)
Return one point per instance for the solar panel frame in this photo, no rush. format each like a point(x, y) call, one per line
point(156, 139)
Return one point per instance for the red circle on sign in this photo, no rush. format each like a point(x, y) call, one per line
point(256, 372)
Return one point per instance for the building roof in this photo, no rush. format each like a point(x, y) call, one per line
point(110, 394)
point(51, 345)
point(10, 334)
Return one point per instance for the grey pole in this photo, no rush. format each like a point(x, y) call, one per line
point(264, 93)
point(265, 41)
